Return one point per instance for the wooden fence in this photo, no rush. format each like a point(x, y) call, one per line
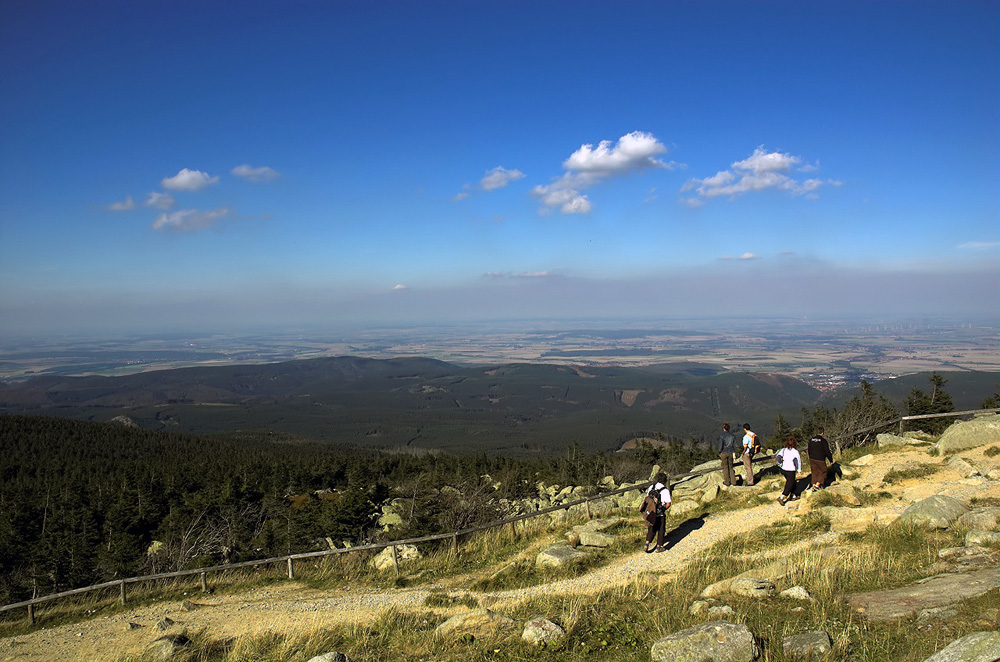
point(453, 537)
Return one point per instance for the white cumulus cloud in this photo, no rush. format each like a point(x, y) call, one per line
point(633, 151)
point(251, 174)
point(188, 180)
point(159, 200)
point(760, 171)
point(124, 205)
point(590, 165)
point(499, 177)
point(189, 220)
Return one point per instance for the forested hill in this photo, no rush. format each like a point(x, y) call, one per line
point(84, 502)
point(423, 403)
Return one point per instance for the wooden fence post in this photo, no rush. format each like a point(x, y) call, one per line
point(122, 586)
point(454, 544)
point(204, 582)
point(587, 504)
point(31, 614)
point(513, 531)
point(395, 559)
point(291, 574)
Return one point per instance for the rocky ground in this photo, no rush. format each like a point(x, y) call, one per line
point(291, 606)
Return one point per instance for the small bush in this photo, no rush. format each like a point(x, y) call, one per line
point(992, 451)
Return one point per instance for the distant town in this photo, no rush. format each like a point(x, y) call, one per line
point(826, 354)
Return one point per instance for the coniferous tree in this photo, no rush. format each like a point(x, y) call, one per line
point(936, 402)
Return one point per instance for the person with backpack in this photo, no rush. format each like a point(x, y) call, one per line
point(726, 445)
point(819, 453)
point(750, 446)
point(790, 463)
point(654, 511)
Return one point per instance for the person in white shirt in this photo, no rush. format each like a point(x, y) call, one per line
point(790, 463)
point(749, 440)
point(654, 508)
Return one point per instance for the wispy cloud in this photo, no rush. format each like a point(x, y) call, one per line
point(188, 180)
point(589, 165)
point(251, 174)
point(979, 245)
point(399, 286)
point(760, 171)
point(499, 177)
point(159, 200)
point(124, 205)
point(189, 220)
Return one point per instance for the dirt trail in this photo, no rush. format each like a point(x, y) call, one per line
point(291, 606)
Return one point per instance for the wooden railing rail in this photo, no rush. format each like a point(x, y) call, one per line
point(454, 535)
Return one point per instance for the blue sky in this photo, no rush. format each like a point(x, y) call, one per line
point(212, 165)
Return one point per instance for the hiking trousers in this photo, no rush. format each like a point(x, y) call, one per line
point(728, 474)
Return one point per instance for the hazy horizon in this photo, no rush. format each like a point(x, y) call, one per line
point(353, 163)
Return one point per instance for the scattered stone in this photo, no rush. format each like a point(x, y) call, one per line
point(188, 605)
point(541, 631)
point(937, 591)
point(796, 593)
point(885, 439)
point(133, 626)
point(558, 556)
point(863, 461)
point(478, 623)
point(844, 520)
point(592, 533)
point(332, 656)
point(166, 623)
point(682, 508)
point(934, 512)
point(715, 640)
point(845, 494)
point(964, 469)
point(698, 607)
point(752, 587)
point(980, 431)
point(975, 647)
point(383, 560)
point(979, 538)
point(984, 518)
point(935, 613)
point(721, 611)
point(810, 645)
point(165, 647)
point(952, 552)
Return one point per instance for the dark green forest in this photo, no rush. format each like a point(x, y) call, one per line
point(84, 502)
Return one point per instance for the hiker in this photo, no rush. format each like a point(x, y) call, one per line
point(819, 453)
point(790, 463)
point(654, 510)
point(726, 445)
point(749, 448)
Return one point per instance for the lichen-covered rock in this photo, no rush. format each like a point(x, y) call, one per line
point(984, 518)
point(541, 631)
point(559, 555)
point(809, 645)
point(981, 538)
point(478, 623)
point(848, 519)
point(934, 512)
point(964, 469)
point(975, 647)
point(886, 439)
point(980, 431)
point(383, 561)
point(719, 641)
point(752, 587)
point(681, 508)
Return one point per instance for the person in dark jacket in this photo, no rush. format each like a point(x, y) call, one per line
point(819, 453)
point(726, 446)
